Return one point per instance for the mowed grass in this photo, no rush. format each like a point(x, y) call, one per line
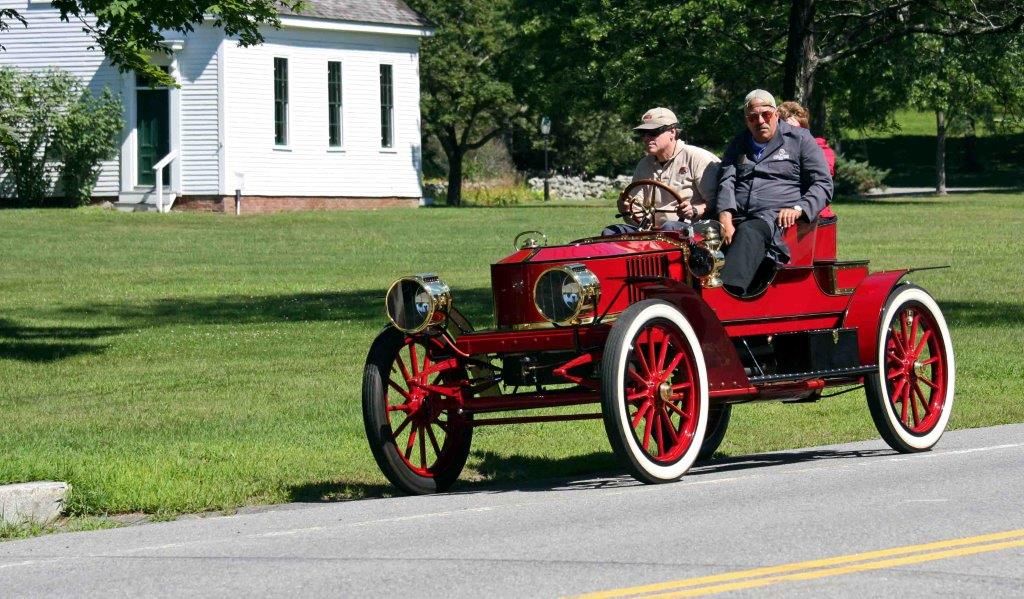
point(193, 362)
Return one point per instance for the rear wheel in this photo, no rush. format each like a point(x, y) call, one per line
point(654, 391)
point(411, 399)
point(718, 423)
point(911, 394)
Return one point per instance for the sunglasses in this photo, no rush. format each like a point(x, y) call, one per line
point(756, 117)
point(654, 132)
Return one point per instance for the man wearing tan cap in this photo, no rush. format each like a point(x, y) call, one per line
point(691, 171)
point(772, 175)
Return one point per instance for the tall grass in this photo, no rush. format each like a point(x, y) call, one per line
point(190, 362)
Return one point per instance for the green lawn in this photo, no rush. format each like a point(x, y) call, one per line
point(190, 362)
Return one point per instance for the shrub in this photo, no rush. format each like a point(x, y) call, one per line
point(49, 125)
point(500, 195)
point(31, 105)
point(86, 136)
point(853, 177)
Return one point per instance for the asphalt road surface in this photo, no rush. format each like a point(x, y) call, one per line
point(851, 520)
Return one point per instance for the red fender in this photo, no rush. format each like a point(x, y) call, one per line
point(865, 310)
point(725, 370)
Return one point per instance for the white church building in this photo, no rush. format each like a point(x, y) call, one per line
point(324, 114)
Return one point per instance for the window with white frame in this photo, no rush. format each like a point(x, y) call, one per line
point(387, 107)
point(280, 101)
point(335, 127)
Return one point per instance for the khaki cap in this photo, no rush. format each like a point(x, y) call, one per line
point(656, 118)
point(759, 94)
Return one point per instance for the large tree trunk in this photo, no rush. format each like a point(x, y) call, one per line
point(454, 152)
point(940, 152)
point(455, 176)
point(801, 56)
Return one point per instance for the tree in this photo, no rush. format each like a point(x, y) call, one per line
point(961, 82)
point(821, 33)
point(465, 98)
point(128, 31)
point(597, 64)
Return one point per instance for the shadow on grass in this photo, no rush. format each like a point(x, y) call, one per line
point(49, 344)
point(365, 306)
point(329, 492)
point(983, 313)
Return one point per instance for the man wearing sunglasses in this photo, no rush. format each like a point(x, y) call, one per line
point(772, 175)
point(691, 171)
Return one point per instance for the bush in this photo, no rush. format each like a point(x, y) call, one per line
point(853, 177)
point(499, 195)
point(51, 125)
point(27, 126)
point(86, 136)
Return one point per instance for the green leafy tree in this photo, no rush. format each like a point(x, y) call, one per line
point(963, 85)
point(699, 56)
point(129, 31)
point(466, 99)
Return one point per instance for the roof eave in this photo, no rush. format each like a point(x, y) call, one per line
point(322, 24)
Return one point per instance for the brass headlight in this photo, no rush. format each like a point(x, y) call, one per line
point(565, 293)
point(706, 258)
point(417, 302)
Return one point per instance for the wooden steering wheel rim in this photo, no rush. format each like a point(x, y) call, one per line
point(646, 212)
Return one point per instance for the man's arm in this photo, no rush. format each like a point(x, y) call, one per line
point(725, 199)
point(725, 202)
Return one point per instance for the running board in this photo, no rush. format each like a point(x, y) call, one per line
point(814, 374)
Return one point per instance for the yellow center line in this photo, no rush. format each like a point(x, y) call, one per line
point(820, 568)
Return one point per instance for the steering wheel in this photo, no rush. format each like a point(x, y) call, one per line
point(642, 207)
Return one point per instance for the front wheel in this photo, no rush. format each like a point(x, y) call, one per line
point(411, 399)
point(654, 391)
point(911, 395)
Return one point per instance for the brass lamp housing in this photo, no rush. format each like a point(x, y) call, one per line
point(706, 259)
point(566, 294)
point(418, 302)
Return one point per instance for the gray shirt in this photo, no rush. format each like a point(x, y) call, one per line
point(791, 171)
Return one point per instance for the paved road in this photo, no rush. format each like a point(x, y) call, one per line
point(952, 518)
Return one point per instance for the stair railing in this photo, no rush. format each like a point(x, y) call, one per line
point(158, 168)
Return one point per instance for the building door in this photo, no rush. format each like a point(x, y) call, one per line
point(153, 129)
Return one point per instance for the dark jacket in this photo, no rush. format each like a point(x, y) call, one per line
point(792, 171)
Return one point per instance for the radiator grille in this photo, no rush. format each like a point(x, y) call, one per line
point(644, 266)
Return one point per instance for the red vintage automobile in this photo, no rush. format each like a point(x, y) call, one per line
point(640, 325)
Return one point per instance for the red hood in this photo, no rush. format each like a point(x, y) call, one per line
point(590, 248)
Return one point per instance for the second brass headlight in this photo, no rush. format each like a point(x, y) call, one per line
point(566, 293)
point(417, 302)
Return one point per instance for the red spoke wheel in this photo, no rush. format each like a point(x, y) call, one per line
point(412, 392)
point(654, 391)
point(911, 394)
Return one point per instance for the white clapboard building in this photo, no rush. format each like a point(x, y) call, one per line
point(324, 114)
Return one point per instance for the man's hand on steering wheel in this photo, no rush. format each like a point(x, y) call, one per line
point(645, 208)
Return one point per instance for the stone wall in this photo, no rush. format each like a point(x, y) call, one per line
point(578, 188)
